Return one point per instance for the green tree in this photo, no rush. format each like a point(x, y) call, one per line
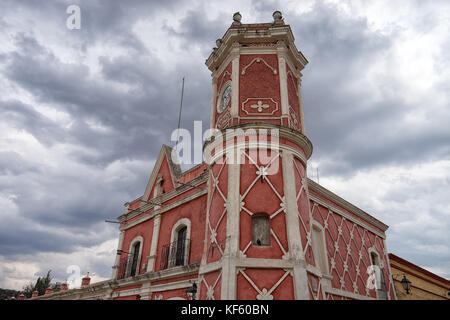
point(41, 284)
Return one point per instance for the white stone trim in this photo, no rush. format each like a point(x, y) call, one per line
point(172, 285)
point(317, 225)
point(300, 278)
point(346, 215)
point(210, 267)
point(117, 261)
point(283, 86)
point(300, 100)
point(137, 239)
point(219, 96)
point(257, 60)
point(178, 225)
point(347, 294)
point(177, 191)
point(154, 243)
point(260, 115)
point(264, 263)
point(184, 222)
point(235, 82)
point(258, 50)
point(276, 33)
point(283, 132)
point(213, 102)
point(126, 293)
point(229, 280)
point(391, 281)
point(165, 208)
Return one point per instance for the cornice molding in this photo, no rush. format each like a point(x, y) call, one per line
point(284, 132)
point(346, 205)
point(164, 208)
point(177, 191)
point(246, 34)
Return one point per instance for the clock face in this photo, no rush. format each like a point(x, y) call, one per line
point(225, 98)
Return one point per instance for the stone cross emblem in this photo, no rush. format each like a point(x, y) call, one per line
point(260, 106)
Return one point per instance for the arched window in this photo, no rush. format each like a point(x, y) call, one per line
point(135, 259)
point(319, 249)
point(176, 253)
point(374, 258)
point(379, 274)
point(134, 256)
point(180, 252)
point(260, 229)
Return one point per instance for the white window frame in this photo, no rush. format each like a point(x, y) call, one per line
point(137, 239)
point(378, 277)
point(324, 252)
point(184, 222)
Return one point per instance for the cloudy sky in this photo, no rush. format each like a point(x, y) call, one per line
point(83, 114)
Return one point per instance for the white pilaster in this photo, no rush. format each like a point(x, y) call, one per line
point(300, 103)
point(208, 206)
point(235, 80)
point(293, 228)
point(232, 240)
point(154, 244)
point(213, 103)
point(119, 247)
point(283, 79)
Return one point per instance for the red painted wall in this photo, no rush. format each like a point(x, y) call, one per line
point(195, 211)
point(259, 81)
point(145, 230)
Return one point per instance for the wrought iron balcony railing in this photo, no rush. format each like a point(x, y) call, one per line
point(175, 254)
point(122, 268)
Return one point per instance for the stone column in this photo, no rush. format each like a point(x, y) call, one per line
point(154, 244)
point(119, 247)
point(232, 241)
point(302, 117)
point(235, 80)
point(293, 228)
point(283, 78)
point(213, 103)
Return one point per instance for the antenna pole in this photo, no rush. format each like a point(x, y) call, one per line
point(179, 113)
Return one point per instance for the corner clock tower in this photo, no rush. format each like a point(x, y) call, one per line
point(256, 71)
point(247, 223)
point(256, 244)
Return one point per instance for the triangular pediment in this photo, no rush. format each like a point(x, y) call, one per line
point(164, 168)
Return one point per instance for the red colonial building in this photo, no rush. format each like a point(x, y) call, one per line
point(242, 225)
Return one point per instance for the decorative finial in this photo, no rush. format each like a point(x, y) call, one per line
point(277, 16)
point(218, 42)
point(237, 18)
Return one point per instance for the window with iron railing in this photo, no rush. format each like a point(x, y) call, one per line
point(175, 254)
point(135, 259)
point(128, 265)
point(121, 268)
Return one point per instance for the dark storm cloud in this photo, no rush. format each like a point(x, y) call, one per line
point(126, 113)
point(21, 116)
point(13, 163)
point(340, 49)
point(137, 121)
point(199, 31)
point(134, 97)
point(14, 243)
